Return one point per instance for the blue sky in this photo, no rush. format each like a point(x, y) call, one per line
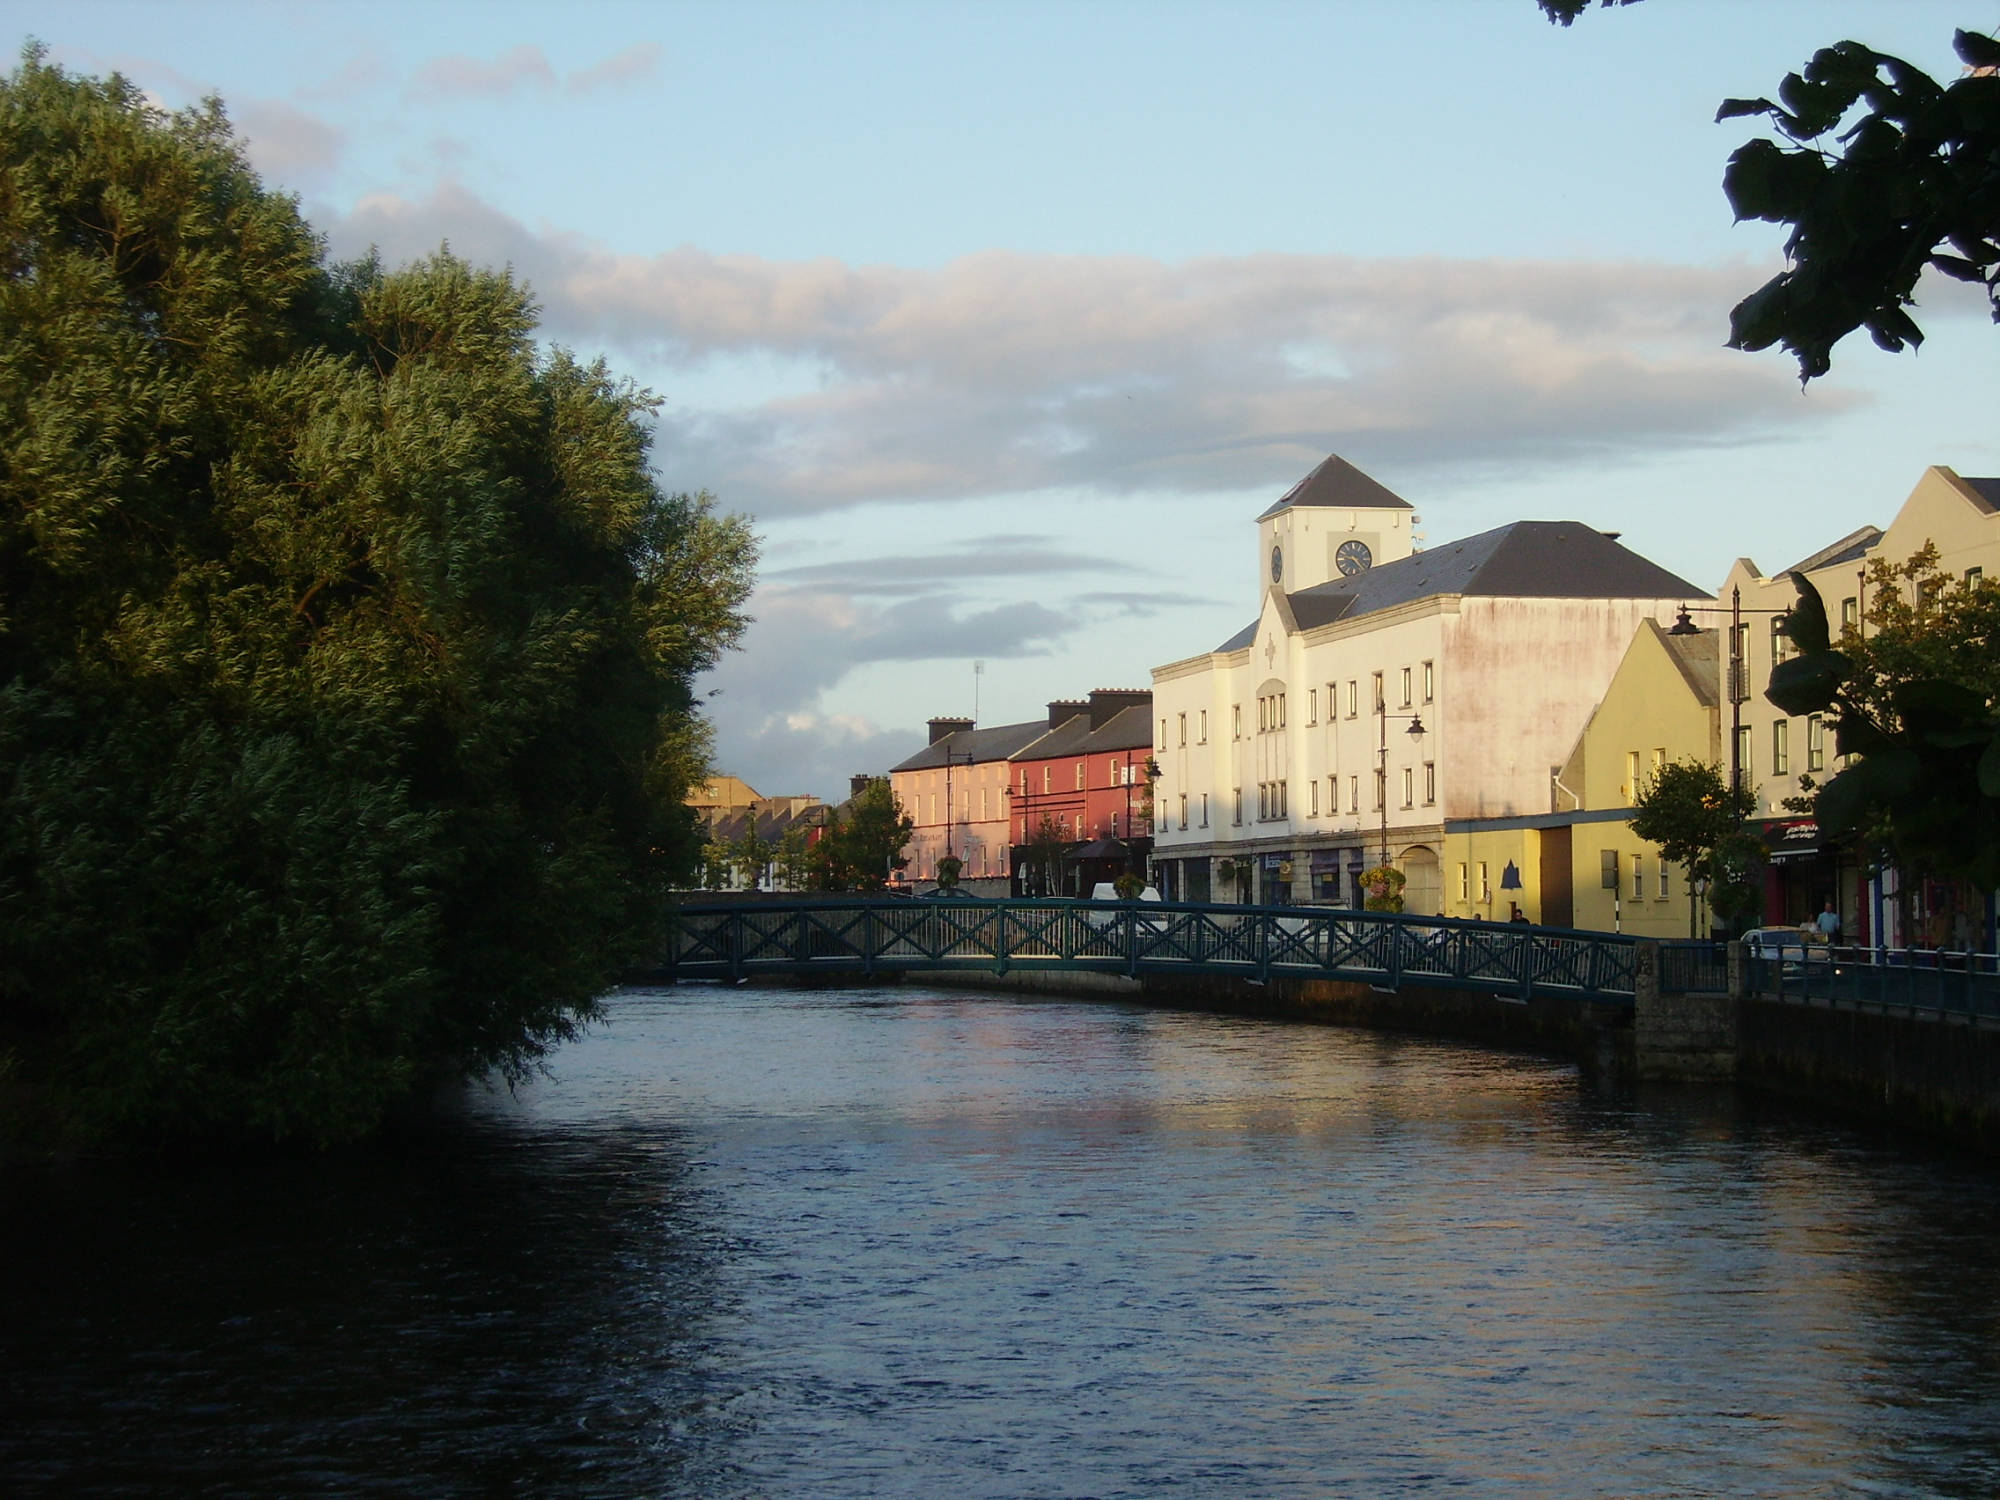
point(1004, 321)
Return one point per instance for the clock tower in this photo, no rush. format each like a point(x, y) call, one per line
point(1334, 524)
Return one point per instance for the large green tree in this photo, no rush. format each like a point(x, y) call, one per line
point(1912, 698)
point(346, 649)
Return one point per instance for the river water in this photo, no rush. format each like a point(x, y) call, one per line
point(911, 1242)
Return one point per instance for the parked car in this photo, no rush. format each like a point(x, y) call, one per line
point(1788, 946)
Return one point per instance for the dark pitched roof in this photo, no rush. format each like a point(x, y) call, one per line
point(1855, 544)
point(997, 743)
point(1129, 729)
point(1336, 482)
point(1699, 657)
point(1524, 560)
point(1988, 491)
point(1067, 738)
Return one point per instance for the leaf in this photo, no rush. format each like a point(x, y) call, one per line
point(1989, 768)
point(1875, 781)
point(1735, 108)
point(1976, 51)
point(1807, 684)
point(1931, 707)
point(1854, 733)
point(1958, 268)
point(1807, 624)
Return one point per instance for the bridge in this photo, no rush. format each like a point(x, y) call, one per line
point(864, 935)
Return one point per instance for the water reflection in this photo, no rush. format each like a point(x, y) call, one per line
point(910, 1243)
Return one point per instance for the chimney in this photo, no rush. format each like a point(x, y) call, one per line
point(1107, 704)
point(940, 728)
point(1062, 710)
point(856, 785)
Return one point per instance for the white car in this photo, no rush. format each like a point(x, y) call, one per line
point(1787, 945)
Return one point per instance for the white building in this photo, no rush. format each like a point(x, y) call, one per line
point(1287, 755)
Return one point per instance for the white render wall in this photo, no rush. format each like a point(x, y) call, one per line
point(1513, 682)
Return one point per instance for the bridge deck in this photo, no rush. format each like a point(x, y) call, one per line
point(862, 935)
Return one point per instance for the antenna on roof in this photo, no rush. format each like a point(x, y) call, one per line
point(978, 671)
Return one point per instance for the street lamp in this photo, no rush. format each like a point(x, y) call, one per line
point(1415, 732)
point(1739, 671)
point(950, 812)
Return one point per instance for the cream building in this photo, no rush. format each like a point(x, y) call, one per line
point(1958, 516)
point(1581, 865)
point(1289, 754)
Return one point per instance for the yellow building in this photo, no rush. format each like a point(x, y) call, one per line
point(1580, 864)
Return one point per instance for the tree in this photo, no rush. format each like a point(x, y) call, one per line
point(794, 856)
point(1913, 699)
point(347, 650)
point(861, 849)
point(1874, 195)
point(753, 854)
point(1691, 811)
point(1044, 856)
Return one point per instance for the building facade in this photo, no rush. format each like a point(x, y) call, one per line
point(955, 790)
point(1383, 692)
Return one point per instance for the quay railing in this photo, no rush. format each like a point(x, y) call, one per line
point(870, 935)
point(1916, 981)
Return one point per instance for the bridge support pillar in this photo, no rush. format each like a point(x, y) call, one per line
point(1680, 1038)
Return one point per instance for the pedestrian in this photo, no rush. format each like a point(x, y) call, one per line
point(1829, 924)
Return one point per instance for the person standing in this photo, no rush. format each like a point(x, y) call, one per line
point(1829, 924)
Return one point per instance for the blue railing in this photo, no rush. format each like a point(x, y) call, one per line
point(1916, 981)
point(861, 935)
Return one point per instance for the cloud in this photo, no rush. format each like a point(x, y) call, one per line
point(527, 67)
point(1007, 373)
point(636, 63)
point(980, 558)
point(366, 70)
point(456, 75)
point(287, 144)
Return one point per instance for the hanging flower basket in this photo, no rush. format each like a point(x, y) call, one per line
point(1384, 887)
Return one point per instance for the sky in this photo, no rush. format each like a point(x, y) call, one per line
point(1002, 322)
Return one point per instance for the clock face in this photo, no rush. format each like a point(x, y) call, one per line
point(1352, 558)
point(1277, 565)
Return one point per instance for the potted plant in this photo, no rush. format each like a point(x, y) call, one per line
point(947, 872)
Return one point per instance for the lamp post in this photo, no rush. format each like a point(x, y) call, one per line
point(1415, 732)
point(1738, 684)
point(950, 811)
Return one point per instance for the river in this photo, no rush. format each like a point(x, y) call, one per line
point(917, 1242)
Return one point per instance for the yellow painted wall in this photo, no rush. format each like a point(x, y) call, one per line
point(1466, 894)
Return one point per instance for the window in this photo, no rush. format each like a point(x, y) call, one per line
point(1312, 800)
point(1631, 776)
point(1850, 614)
point(1381, 789)
point(1079, 776)
point(1183, 809)
point(1263, 800)
point(1406, 687)
point(1201, 734)
point(1430, 783)
point(1781, 644)
point(1464, 881)
point(1409, 787)
point(1024, 774)
point(1263, 714)
point(1284, 799)
point(1815, 743)
point(1353, 698)
point(1204, 811)
point(1638, 877)
point(1183, 728)
point(1743, 770)
point(1281, 711)
point(1237, 816)
point(1485, 885)
point(1380, 701)
point(1354, 794)
point(1659, 760)
point(1974, 576)
point(1048, 775)
point(1312, 705)
point(1430, 682)
point(1660, 887)
point(982, 804)
point(1781, 747)
point(1236, 721)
